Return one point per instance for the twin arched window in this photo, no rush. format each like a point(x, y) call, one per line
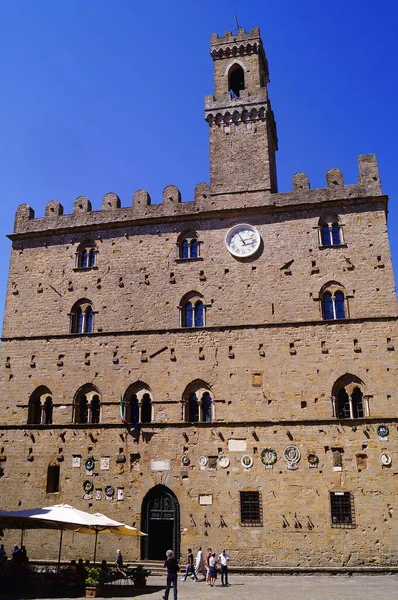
point(334, 305)
point(348, 398)
point(330, 230)
point(86, 255)
point(82, 317)
point(137, 404)
point(87, 405)
point(192, 310)
point(198, 403)
point(188, 245)
point(40, 411)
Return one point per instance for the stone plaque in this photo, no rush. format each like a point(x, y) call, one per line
point(160, 465)
point(120, 493)
point(205, 499)
point(104, 463)
point(237, 445)
point(257, 379)
point(98, 494)
point(76, 461)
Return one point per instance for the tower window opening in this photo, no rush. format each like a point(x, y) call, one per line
point(236, 80)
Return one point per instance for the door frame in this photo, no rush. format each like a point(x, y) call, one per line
point(156, 492)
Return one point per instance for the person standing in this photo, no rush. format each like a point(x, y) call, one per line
point(224, 558)
point(212, 569)
point(172, 566)
point(190, 567)
point(119, 563)
point(208, 555)
point(200, 563)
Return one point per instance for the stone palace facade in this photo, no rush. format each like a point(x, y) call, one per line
point(218, 372)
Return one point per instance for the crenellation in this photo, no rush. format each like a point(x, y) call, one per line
point(334, 178)
point(171, 195)
point(300, 182)
point(82, 205)
point(110, 201)
point(369, 173)
point(24, 213)
point(141, 200)
point(54, 209)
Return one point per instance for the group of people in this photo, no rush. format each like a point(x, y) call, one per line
point(206, 566)
point(19, 558)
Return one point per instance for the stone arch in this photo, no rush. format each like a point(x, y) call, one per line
point(138, 403)
point(198, 402)
point(348, 396)
point(86, 255)
point(37, 404)
point(160, 519)
point(236, 78)
point(82, 316)
point(87, 405)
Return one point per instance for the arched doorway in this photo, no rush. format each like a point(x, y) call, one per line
point(160, 519)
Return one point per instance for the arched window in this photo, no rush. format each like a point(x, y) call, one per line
point(207, 408)
point(137, 404)
point(82, 317)
point(330, 230)
point(95, 409)
point(192, 310)
point(334, 304)
point(86, 255)
point(348, 398)
point(87, 405)
point(40, 408)
point(198, 403)
point(48, 411)
point(89, 319)
point(236, 80)
point(199, 314)
point(185, 249)
point(188, 315)
point(146, 409)
point(194, 248)
point(188, 245)
point(193, 409)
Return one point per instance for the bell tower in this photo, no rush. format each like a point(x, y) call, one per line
point(242, 128)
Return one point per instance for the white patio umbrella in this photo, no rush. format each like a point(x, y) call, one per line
point(64, 516)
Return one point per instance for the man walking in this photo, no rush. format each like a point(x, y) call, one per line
point(190, 567)
point(224, 558)
point(200, 563)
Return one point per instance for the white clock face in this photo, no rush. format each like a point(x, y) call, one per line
point(243, 240)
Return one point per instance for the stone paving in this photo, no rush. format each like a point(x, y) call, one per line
point(325, 587)
point(303, 587)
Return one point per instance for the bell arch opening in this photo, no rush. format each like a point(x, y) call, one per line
point(236, 80)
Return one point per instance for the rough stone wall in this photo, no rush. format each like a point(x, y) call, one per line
point(138, 266)
point(296, 528)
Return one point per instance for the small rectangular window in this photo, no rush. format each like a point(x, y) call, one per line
point(251, 509)
point(52, 479)
point(342, 510)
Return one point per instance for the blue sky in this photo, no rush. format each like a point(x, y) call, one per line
point(102, 96)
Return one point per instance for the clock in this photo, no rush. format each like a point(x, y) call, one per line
point(243, 240)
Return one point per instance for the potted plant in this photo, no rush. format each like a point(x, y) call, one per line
point(139, 575)
point(94, 580)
